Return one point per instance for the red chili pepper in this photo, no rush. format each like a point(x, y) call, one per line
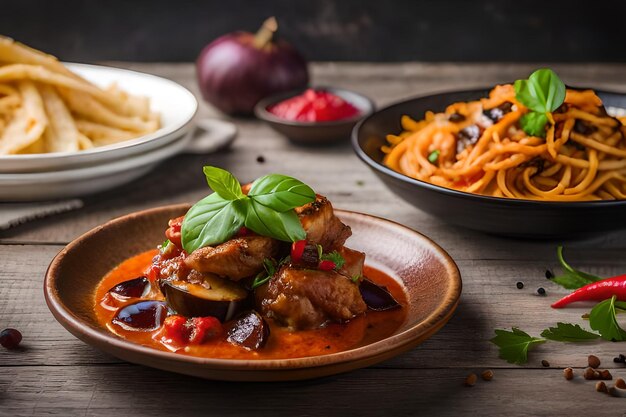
point(596, 291)
point(243, 231)
point(327, 265)
point(297, 249)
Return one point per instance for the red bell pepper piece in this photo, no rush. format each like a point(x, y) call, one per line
point(327, 265)
point(596, 291)
point(297, 249)
point(173, 232)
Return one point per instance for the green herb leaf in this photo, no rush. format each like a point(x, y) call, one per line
point(268, 210)
point(572, 278)
point(280, 192)
point(165, 243)
point(602, 318)
point(211, 221)
point(620, 307)
point(534, 124)
point(433, 157)
point(267, 222)
point(543, 91)
point(262, 277)
point(356, 278)
point(566, 332)
point(223, 183)
point(514, 345)
point(335, 257)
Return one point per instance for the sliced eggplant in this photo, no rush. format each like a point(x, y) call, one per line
point(216, 297)
point(250, 331)
point(377, 297)
point(133, 288)
point(143, 316)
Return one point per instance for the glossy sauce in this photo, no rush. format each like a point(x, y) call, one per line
point(365, 329)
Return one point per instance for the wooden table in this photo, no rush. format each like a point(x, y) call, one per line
point(55, 374)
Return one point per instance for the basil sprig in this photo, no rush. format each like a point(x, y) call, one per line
point(266, 210)
point(543, 92)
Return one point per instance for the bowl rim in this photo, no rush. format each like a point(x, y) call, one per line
point(261, 108)
point(404, 340)
point(131, 143)
point(121, 164)
point(378, 166)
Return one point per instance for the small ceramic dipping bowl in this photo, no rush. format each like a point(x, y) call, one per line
point(315, 133)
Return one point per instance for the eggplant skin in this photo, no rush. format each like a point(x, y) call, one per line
point(377, 297)
point(195, 300)
point(249, 331)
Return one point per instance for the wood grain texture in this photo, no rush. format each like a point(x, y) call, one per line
point(55, 374)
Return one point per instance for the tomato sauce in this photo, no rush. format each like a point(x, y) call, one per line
point(314, 106)
point(282, 343)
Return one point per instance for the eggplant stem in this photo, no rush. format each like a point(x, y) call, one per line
point(265, 33)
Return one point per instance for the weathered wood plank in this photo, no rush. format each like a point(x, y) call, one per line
point(55, 374)
point(133, 390)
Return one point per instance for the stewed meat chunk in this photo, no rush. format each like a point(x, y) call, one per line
point(354, 260)
point(306, 299)
point(235, 259)
point(321, 225)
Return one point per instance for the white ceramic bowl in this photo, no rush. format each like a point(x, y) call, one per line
point(176, 105)
point(39, 186)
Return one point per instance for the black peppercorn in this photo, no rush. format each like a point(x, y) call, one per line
point(519, 285)
point(541, 291)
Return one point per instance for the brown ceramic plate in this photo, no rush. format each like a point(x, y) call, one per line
point(430, 277)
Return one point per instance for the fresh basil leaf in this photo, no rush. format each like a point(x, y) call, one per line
point(433, 157)
point(267, 222)
point(223, 183)
point(355, 278)
point(549, 87)
point(524, 93)
point(534, 124)
point(281, 192)
point(566, 332)
point(603, 319)
point(514, 345)
point(212, 220)
point(543, 91)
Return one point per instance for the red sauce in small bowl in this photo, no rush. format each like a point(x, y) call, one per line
point(314, 106)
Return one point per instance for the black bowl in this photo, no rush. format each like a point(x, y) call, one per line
point(315, 133)
point(500, 216)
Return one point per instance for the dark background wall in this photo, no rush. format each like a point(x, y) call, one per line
point(347, 30)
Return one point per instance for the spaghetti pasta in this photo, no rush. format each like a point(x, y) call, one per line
point(479, 147)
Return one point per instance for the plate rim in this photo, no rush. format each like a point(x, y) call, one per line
point(379, 167)
point(382, 349)
point(82, 173)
